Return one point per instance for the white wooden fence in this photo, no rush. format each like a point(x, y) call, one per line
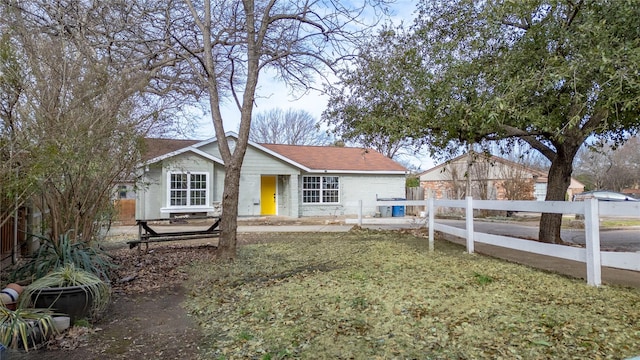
point(591, 209)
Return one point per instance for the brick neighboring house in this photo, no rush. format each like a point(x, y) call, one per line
point(491, 177)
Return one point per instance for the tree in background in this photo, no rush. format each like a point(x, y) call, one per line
point(291, 127)
point(83, 95)
point(228, 45)
point(457, 177)
point(517, 183)
point(546, 73)
point(371, 105)
point(18, 173)
point(605, 166)
point(482, 182)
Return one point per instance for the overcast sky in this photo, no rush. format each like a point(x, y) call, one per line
point(273, 94)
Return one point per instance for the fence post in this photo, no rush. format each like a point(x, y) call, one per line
point(432, 215)
point(592, 237)
point(360, 213)
point(469, 221)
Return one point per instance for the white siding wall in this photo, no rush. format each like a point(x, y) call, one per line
point(354, 188)
point(152, 199)
point(255, 164)
point(540, 191)
point(148, 197)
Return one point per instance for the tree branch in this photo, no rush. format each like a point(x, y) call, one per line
point(530, 139)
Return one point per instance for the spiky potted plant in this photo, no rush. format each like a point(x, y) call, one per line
point(54, 253)
point(25, 328)
point(69, 290)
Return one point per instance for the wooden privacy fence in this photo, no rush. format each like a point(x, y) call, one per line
point(592, 210)
point(126, 210)
point(13, 235)
point(414, 193)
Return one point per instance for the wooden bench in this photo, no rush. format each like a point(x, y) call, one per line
point(146, 234)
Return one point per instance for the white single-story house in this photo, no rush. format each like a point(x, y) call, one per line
point(186, 177)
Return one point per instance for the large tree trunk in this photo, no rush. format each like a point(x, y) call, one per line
point(557, 185)
point(228, 224)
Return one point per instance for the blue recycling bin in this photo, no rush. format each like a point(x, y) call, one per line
point(397, 210)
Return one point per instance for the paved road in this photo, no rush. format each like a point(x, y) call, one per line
point(610, 239)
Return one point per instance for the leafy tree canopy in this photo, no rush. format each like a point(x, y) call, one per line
point(548, 73)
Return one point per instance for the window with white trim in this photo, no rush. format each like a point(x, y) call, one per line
point(320, 189)
point(188, 189)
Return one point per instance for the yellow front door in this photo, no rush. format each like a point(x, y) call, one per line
point(267, 195)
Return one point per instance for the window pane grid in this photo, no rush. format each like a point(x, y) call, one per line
point(198, 197)
point(320, 189)
point(178, 198)
point(188, 189)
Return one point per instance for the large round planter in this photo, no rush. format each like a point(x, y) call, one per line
point(75, 301)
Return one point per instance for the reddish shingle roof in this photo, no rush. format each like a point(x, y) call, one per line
point(330, 158)
point(158, 147)
point(336, 158)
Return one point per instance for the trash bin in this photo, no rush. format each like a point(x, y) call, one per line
point(385, 210)
point(398, 210)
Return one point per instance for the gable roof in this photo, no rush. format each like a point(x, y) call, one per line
point(334, 158)
point(307, 158)
point(160, 149)
point(541, 175)
point(479, 157)
point(155, 147)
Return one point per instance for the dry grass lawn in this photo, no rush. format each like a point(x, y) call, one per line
point(382, 295)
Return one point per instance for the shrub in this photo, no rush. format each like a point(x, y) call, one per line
point(56, 254)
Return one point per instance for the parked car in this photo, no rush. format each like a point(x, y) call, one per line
point(603, 195)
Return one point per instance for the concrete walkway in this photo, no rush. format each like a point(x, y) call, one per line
point(610, 276)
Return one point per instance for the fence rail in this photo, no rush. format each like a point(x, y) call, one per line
point(592, 210)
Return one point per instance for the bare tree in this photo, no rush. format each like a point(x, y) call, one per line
point(84, 95)
point(627, 165)
point(593, 165)
point(14, 162)
point(457, 181)
point(605, 166)
point(482, 186)
point(517, 185)
point(229, 44)
point(292, 127)
point(393, 148)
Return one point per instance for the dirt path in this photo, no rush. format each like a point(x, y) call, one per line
point(145, 319)
point(144, 326)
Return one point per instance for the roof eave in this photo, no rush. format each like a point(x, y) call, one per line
point(367, 172)
point(182, 151)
